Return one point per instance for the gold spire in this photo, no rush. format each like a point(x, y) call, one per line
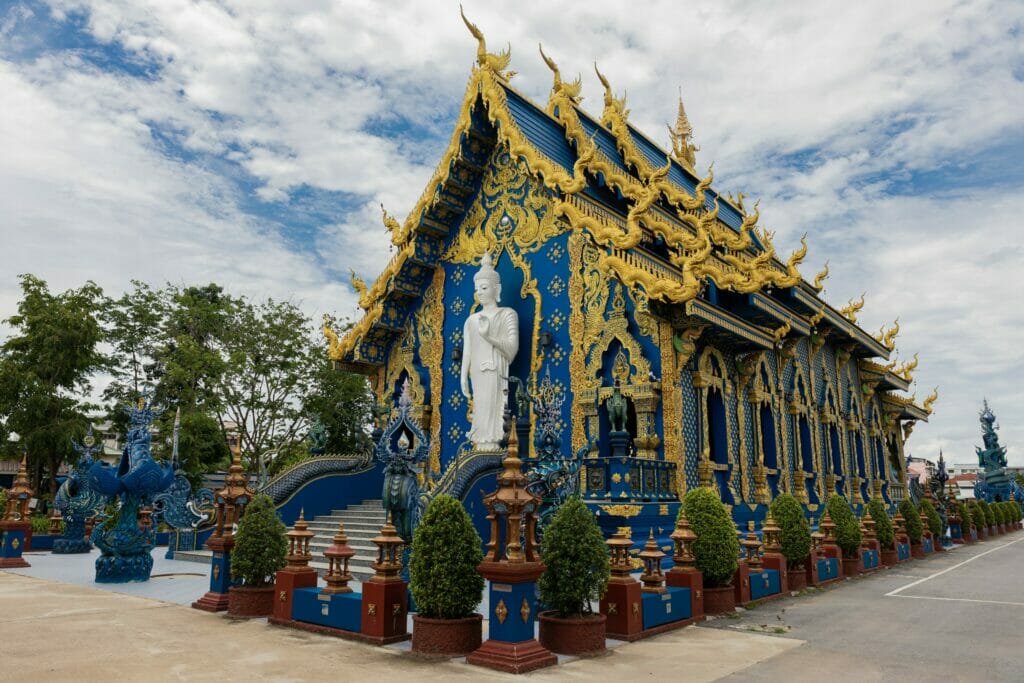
point(819, 279)
point(681, 134)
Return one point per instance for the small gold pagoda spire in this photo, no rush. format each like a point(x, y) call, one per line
point(681, 134)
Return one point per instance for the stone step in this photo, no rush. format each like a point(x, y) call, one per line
point(347, 519)
point(333, 528)
point(361, 548)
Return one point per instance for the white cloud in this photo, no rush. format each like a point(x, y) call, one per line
point(303, 94)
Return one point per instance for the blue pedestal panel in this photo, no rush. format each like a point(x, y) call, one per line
point(955, 531)
point(828, 568)
point(220, 572)
point(339, 610)
point(928, 545)
point(513, 611)
point(764, 583)
point(871, 558)
point(903, 551)
point(664, 608)
point(13, 543)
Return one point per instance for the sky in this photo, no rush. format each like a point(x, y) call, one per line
point(251, 143)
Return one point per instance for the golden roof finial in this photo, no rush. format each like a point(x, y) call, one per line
point(392, 226)
point(930, 400)
point(360, 287)
point(611, 102)
point(817, 317)
point(333, 343)
point(681, 135)
point(819, 279)
point(906, 372)
point(888, 338)
point(852, 308)
point(495, 63)
point(560, 87)
point(780, 333)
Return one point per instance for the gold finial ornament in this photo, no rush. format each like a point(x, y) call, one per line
point(683, 538)
point(388, 565)
point(907, 371)
point(560, 87)
point(817, 317)
point(752, 546)
point(819, 279)
point(780, 333)
point(359, 285)
point(298, 556)
point(852, 308)
point(828, 528)
point(683, 149)
point(618, 557)
point(887, 338)
point(495, 63)
point(338, 555)
point(393, 227)
point(930, 400)
point(19, 495)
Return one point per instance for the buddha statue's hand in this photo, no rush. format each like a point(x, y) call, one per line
point(484, 325)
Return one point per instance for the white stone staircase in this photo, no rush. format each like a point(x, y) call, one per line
point(362, 523)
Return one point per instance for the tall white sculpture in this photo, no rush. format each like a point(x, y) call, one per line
point(490, 341)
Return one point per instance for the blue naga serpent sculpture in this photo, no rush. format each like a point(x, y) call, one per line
point(126, 549)
point(402, 449)
point(77, 502)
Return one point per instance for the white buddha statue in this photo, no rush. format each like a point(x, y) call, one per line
point(490, 341)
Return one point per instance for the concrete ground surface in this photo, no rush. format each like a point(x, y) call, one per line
point(955, 616)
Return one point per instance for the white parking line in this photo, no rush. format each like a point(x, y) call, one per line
point(894, 593)
point(987, 602)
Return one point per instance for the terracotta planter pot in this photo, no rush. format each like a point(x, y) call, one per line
point(719, 600)
point(582, 636)
point(797, 579)
point(245, 602)
point(889, 558)
point(446, 637)
point(851, 566)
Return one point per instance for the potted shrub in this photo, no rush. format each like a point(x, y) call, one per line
point(795, 537)
point(934, 522)
point(966, 521)
point(990, 517)
point(848, 536)
point(1000, 516)
point(444, 582)
point(912, 523)
point(260, 547)
point(716, 549)
point(884, 531)
point(575, 572)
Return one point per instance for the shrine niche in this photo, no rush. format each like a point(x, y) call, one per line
point(805, 485)
point(714, 390)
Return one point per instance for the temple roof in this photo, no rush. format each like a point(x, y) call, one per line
point(604, 162)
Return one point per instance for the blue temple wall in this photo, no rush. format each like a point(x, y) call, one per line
point(331, 492)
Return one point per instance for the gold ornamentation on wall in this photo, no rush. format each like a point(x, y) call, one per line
point(431, 327)
point(672, 407)
point(624, 510)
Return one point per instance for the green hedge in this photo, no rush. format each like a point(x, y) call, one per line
point(998, 512)
point(717, 549)
point(575, 561)
point(848, 536)
point(934, 521)
point(446, 550)
point(912, 521)
point(883, 524)
point(796, 530)
point(260, 544)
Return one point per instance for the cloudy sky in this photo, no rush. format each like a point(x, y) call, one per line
point(250, 143)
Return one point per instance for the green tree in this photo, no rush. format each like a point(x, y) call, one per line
point(45, 370)
point(883, 524)
point(911, 520)
point(934, 521)
point(575, 561)
point(717, 547)
point(446, 550)
point(260, 544)
point(795, 536)
point(848, 535)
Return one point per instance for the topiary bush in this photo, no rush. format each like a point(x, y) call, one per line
point(990, 517)
point(446, 550)
point(260, 544)
point(717, 549)
point(966, 519)
point(848, 534)
point(575, 561)
point(3, 501)
point(796, 530)
point(912, 519)
point(934, 521)
point(883, 524)
point(998, 513)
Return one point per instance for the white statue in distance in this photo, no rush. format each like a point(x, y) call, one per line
point(490, 341)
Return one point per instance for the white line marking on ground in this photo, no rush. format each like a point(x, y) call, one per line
point(987, 602)
point(894, 593)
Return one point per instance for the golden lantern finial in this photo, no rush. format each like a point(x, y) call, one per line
point(681, 136)
point(652, 577)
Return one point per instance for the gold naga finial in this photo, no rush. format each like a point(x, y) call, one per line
point(333, 343)
point(495, 63)
point(393, 227)
point(560, 87)
point(797, 257)
point(930, 400)
point(852, 308)
point(887, 338)
point(360, 286)
point(780, 333)
point(819, 279)
point(683, 148)
point(906, 372)
point(617, 104)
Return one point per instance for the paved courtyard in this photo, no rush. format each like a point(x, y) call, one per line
point(953, 617)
